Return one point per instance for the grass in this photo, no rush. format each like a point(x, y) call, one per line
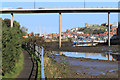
point(98, 27)
point(17, 70)
point(39, 71)
point(54, 69)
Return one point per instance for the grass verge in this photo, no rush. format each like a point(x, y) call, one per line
point(17, 70)
point(54, 69)
point(39, 70)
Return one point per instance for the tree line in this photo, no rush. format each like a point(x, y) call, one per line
point(11, 45)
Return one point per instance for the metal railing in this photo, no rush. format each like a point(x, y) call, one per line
point(39, 52)
point(42, 65)
point(62, 7)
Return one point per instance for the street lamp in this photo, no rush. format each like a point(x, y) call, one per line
point(34, 4)
point(84, 3)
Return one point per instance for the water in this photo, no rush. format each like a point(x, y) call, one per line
point(100, 56)
point(87, 66)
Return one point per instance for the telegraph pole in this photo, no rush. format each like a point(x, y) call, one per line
point(34, 4)
point(84, 3)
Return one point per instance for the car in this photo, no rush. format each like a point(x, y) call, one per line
point(41, 8)
point(20, 8)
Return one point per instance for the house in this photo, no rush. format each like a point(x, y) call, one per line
point(106, 24)
point(27, 35)
point(114, 30)
point(74, 29)
point(80, 32)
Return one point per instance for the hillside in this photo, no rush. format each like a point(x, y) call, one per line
point(93, 30)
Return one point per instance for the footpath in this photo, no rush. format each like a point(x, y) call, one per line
point(28, 67)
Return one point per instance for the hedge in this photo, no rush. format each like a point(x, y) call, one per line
point(11, 47)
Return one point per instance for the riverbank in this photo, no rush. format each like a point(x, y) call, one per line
point(53, 69)
point(61, 66)
point(67, 46)
point(88, 68)
point(85, 67)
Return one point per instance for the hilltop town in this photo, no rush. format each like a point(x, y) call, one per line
point(89, 32)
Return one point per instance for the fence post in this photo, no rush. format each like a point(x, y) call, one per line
point(34, 47)
point(26, 44)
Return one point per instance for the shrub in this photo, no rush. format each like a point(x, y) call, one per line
point(11, 47)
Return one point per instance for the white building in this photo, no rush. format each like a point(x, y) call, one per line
point(80, 32)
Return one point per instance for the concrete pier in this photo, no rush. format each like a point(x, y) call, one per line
point(59, 30)
point(108, 28)
point(11, 19)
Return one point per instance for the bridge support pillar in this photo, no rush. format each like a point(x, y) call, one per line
point(59, 30)
point(108, 28)
point(11, 19)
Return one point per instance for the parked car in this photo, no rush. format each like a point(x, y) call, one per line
point(20, 8)
point(41, 8)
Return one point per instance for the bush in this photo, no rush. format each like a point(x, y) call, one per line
point(11, 47)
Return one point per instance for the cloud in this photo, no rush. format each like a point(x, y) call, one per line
point(60, 0)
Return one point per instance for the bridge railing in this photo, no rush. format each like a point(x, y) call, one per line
point(63, 7)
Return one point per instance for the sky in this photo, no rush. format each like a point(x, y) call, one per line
point(60, 0)
point(49, 22)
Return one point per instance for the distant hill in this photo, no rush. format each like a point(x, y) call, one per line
point(93, 30)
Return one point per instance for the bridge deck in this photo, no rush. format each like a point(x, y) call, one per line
point(61, 10)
